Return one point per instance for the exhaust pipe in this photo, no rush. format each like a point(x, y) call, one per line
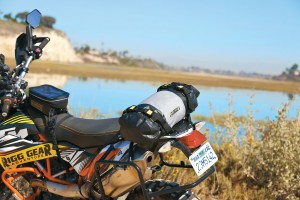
point(71, 191)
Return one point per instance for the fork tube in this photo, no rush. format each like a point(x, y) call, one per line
point(23, 73)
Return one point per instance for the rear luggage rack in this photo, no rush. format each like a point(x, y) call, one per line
point(146, 193)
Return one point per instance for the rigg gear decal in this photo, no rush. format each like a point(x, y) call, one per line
point(38, 152)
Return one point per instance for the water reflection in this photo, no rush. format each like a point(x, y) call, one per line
point(112, 96)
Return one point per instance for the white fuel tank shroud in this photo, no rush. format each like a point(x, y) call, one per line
point(169, 104)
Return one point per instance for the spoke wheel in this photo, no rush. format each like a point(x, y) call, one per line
point(158, 185)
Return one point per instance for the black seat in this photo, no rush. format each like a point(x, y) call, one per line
point(88, 132)
point(83, 133)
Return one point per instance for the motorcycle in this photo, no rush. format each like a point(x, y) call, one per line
point(59, 154)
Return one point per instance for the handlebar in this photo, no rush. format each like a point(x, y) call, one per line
point(7, 102)
point(44, 42)
point(23, 73)
point(11, 96)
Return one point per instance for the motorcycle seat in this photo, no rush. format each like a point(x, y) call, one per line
point(88, 132)
point(84, 133)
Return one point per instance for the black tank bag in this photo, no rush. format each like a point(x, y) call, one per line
point(50, 101)
point(48, 98)
point(154, 117)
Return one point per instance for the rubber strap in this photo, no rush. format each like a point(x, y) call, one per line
point(51, 123)
point(182, 88)
point(155, 115)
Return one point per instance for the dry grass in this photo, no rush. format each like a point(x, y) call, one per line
point(142, 74)
point(262, 164)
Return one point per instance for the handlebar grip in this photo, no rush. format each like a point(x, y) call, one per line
point(44, 42)
point(6, 106)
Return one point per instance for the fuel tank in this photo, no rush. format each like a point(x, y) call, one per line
point(14, 148)
point(19, 121)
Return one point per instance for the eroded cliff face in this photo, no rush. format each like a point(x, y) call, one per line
point(59, 49)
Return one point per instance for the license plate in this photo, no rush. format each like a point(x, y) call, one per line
point(203, 158)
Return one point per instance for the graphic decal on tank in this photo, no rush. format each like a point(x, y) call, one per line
point(77, 158)
point(34, 153)
point(22, 133)
point(11, 143)
point(18, 119)
point(11, 140)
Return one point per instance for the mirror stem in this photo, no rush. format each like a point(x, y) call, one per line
point(29, 37)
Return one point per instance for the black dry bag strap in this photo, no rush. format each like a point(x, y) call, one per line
point(156, 117)
point(188, 91)
point(152, 113)
point(51, 127)
point(52, 124)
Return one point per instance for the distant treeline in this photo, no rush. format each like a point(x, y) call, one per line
point(290, 74)
point(120, 57)
point(20, 17)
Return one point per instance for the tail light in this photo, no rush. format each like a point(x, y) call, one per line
point(193, 140)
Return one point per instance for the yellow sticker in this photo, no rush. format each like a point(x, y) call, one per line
point(149, 112)
point(31, 154)
point(132, 107)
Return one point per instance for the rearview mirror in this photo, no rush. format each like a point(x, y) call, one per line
point(34, 18)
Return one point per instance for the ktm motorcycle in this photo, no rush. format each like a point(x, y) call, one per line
point(61, 155)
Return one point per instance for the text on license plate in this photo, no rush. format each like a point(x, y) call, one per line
point(203, 158)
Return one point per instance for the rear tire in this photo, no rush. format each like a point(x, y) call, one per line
point(158, 185)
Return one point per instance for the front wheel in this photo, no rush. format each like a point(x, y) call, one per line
point(158, 185)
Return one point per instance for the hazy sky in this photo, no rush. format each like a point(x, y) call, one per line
point(255, 35)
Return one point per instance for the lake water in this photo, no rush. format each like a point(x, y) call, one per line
point(113, 96)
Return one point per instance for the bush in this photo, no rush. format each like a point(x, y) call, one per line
point(21, 16)
point(48, 21)
point(263, 163)
point(275, 165)
point(8, 17)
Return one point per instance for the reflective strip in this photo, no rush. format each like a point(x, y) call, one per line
point(48, 100)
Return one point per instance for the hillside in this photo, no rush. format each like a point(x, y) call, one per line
point(59, 48)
